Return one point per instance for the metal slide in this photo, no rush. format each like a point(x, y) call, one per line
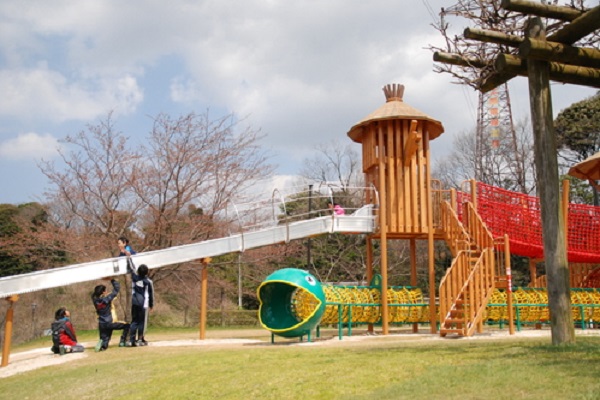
point(361, 221)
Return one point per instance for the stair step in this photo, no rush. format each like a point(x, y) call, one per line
point(445, 332)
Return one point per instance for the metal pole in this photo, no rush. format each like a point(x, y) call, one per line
point(308, 243)
point(239, 281)
point(33, 307)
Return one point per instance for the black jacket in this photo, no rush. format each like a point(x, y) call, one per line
point(103, 305)
point(142, 294)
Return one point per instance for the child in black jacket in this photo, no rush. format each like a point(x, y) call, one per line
point(107, 318)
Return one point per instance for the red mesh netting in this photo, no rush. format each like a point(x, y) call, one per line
point(518, 215)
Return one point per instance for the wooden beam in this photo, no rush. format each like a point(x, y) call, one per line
point(506, 63)
point(586, 24)
point(580, 27)
point(558, 52)
point(456, 59)
point(496, 79)
point(541, 10)
point(486, 35)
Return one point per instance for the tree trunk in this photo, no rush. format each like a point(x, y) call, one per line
point(555, 256)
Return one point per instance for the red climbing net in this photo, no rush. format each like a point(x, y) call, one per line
point(519, 216)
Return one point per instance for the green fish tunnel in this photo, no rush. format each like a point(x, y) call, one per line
point(293, 302)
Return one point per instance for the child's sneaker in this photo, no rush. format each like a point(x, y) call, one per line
point(61, 349)
point(98, 346)
point(122, 344)
point(142, 343)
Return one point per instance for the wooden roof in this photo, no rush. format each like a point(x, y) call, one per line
point(395, 108)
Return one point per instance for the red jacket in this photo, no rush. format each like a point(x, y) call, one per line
point(66, 332)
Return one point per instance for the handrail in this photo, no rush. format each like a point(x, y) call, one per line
point(468, 283)
point(454, 230)
point(285, 214)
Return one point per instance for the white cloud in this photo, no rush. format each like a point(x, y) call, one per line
point(43, 94)
point(29, 146)
point(304, 72)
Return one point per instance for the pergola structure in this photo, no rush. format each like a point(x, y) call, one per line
point(543, 59)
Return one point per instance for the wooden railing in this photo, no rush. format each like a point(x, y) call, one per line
point(451, 290)
point(455, 234)
point(469, 282)
point(476, 229)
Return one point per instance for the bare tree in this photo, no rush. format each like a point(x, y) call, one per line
point(91, 194)
point(334, 162)
point(193, 166)
point(497, 167)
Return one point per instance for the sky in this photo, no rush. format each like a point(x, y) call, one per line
point(302, 72)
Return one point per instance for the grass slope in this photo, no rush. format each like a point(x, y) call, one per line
point(391, 367)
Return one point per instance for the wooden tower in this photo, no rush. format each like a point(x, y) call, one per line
point(395, 153)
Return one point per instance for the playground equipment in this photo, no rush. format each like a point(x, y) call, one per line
point(293, 303)
point(481, 226)
point(275, 227)
point(359, 221)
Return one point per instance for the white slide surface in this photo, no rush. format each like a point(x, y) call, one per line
point(362, 221)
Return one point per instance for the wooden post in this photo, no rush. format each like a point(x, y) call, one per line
point(430, 239)
point(383, 230)
point(413, 272)
point(369, 269)
point(8, 330)
point(204, 296)
point(509, 300)
point(565, 210)
point(533, 272)
point(545, 150)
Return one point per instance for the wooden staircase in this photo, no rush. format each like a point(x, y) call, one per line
point(469, 282)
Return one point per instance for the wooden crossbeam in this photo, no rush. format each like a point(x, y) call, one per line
point(568, 64)
point(455, 59)
point(508, 64)
point(587, 23)
point(541, 10)
point(558, 52)
point(486, 35)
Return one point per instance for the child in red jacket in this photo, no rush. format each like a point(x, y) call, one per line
point(64, 339)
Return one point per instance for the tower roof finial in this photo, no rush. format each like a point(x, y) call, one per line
point(393, 92)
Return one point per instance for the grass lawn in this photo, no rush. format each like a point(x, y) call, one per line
point(390, 367)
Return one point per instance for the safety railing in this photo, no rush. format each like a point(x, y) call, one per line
point(292, 204)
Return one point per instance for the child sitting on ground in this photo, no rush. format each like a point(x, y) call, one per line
point(64, 339)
